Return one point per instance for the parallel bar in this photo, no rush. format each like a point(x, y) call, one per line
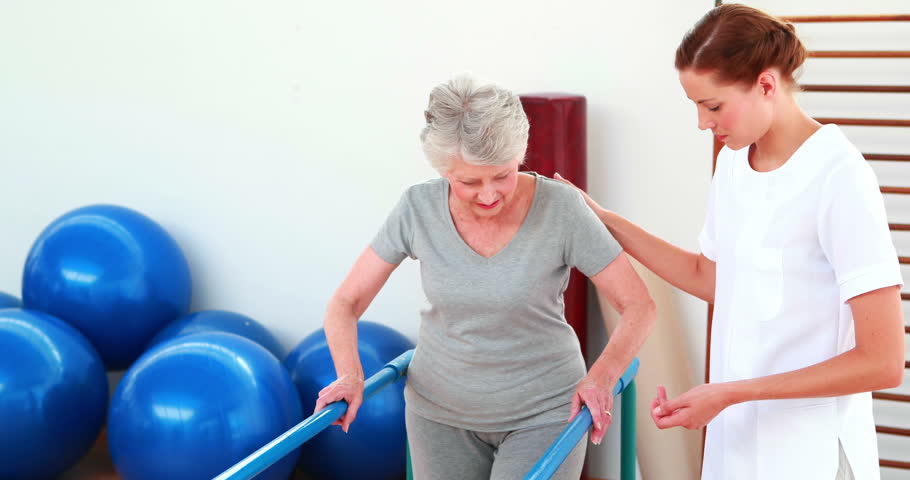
point(856, 88)
point(895, 397)
point(900, 190)
point(560, 449)
point(887, 157)
point(906, 296)
point(866, 122)
point(894, 464)
point(903, 261)
point(904, 432)
point(627, 433)
point(860, 54)
point(275, 450)
point(899, 227)
point(846, 18)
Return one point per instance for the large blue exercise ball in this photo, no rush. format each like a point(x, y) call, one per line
point(111, 272)
point(375, 446)
point(220, 321)
point(9, 301)
point(192, 407)
point(53, 395)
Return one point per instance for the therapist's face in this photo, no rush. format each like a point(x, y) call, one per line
point(483, 190)
point(738, 114)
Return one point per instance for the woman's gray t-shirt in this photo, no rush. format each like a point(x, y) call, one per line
point(494, 352)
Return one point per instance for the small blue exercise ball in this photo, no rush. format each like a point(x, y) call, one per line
point(53, 395)
point(375, 446)
point(192, 407)
point(220, 321)
point(9, 301)
point(111, 272)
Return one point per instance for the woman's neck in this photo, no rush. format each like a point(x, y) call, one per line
point(789, 130)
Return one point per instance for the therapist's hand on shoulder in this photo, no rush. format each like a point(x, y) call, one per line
point(599, 400)
point(692, 410)
point(348, 388)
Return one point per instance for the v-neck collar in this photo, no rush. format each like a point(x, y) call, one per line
point(469, 250)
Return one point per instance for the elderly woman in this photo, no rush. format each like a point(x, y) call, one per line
point(497, 371)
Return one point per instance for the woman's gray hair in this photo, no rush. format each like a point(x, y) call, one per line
point(483, 123)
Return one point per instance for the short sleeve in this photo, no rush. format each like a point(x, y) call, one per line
point(707, 239)
point(590, 247)
point(393, 241)
point(854, 234)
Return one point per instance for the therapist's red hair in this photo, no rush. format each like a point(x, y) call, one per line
point(737, 43)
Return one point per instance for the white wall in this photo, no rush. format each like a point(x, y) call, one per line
point(272, 139)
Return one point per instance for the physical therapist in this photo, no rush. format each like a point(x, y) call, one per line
point(796, 257)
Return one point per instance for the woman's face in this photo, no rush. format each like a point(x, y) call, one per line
point(483, 189)
point(737, 114)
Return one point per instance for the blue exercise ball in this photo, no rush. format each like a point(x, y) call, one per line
point(9, 301)
point(220, 321)
point(375, 446)
point(53, 395)
point(111, 272)
point(192, 407)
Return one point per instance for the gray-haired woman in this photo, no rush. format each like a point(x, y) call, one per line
point(497, 371)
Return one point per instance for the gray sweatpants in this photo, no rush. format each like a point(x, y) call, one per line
point(442, 452)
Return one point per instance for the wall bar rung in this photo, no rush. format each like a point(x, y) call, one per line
point(894, 397)
point(892, 431)
point(856, 88)
point(860, 54)
point(894, 464)
point(866, 122)
point(846, 18)
point(887, 157)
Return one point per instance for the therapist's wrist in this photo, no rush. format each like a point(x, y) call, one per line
point(737, 392)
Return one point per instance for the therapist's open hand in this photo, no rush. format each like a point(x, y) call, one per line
point(693, 409)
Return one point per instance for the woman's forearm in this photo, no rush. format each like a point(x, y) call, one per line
point(347, 304)
point(341, 335)
point(688, 271)
point(625, 342)
point(877, 361)
point(850, 372)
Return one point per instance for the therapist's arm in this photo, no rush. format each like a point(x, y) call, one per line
point(876, 363)
point(689, 271)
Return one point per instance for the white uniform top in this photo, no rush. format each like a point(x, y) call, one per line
point(792, 246)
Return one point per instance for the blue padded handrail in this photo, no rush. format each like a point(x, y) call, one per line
point(275, 450)
point(284, 444)
point(560, 449)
